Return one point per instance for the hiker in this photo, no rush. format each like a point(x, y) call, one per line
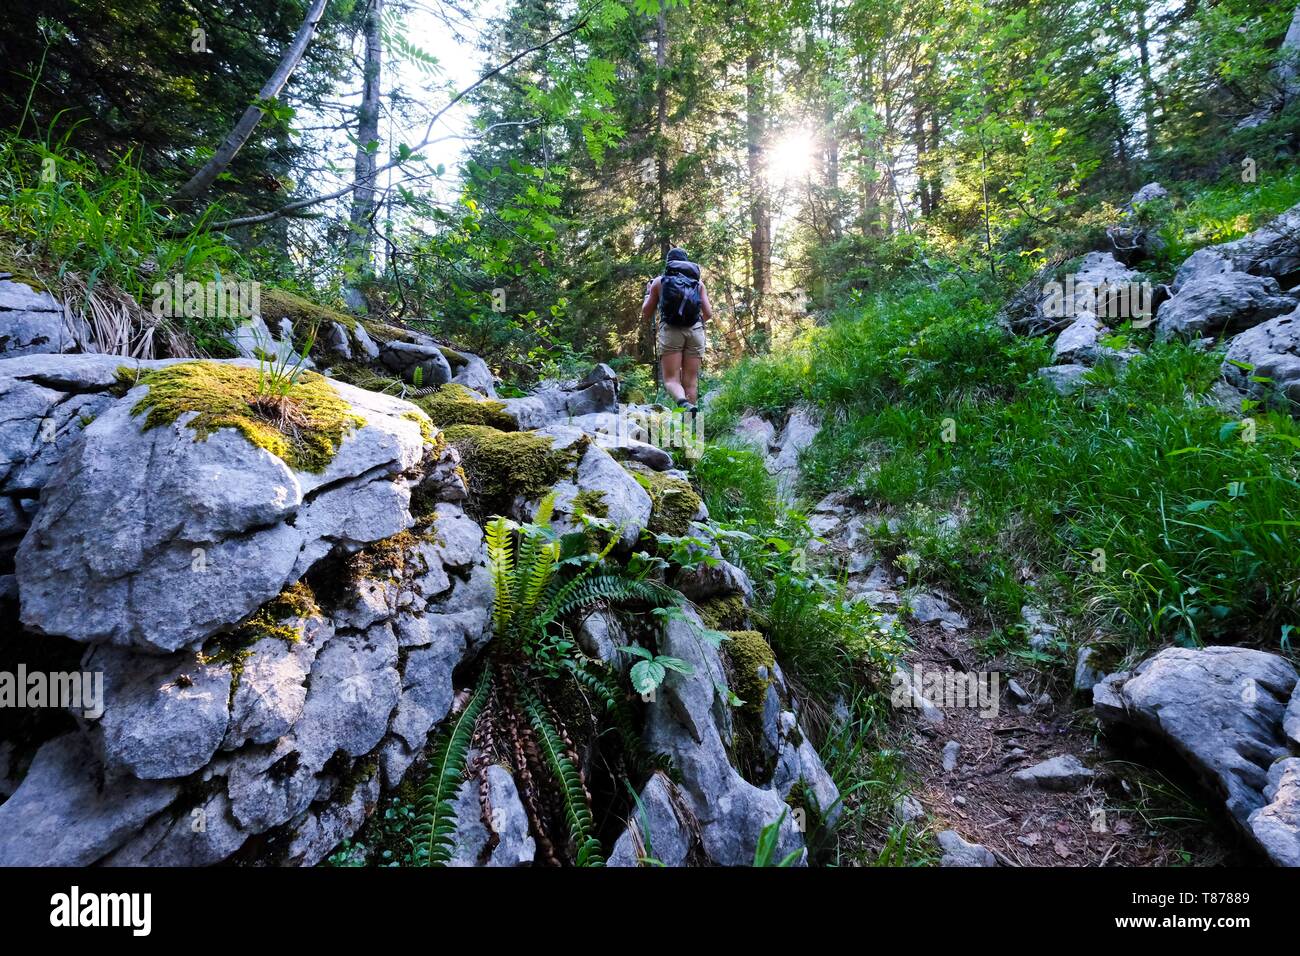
point(683, 305)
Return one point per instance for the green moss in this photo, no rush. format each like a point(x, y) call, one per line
point(590, 502)
point(674, 502)
point(281, 617)
point(17, 274)
point(277, 304)
point(724, 613)
point(426, 427)
point(502, 465)
point(454, 359)
point(304, 427)
point(453, 404)
point(383, 560)
point(748, 652)
point(382, 332)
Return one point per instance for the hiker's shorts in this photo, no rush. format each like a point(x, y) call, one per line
point(674, 338)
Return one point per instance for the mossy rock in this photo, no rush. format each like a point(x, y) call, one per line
point(280, 304)
point(748, 653)
point(303, 427)
point(453, 404)
point(724, 613)
point(296, 603)
point(674, 503)
point(590, 502)
point(383, 560)
point(500, 466)
point(454, 359)
point(383, 332)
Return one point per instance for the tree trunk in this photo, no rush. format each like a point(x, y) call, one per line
point(204, 178)
point(363, 197)
point(661, 122)
point(760, 238)
point(1148, 84)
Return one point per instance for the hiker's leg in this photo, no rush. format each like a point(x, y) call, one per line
point(690, 376)
point(672, 366)
point(692, 356)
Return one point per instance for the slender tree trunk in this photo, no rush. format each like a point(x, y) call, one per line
point(936, 180)
point(226, 152)
point(661, 123)
point(760, 239)
point(1288, 70)
point(361, 219)
point(1148, 84)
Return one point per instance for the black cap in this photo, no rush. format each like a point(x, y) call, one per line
point(676, 254)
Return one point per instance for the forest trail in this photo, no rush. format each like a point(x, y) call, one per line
point(1015, 718)
point(979, 798)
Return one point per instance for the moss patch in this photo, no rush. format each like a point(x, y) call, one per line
point(426, 427)
point(502, 465)
point(453, 404)
point(590, 502)
point(724, 613)
point(384, 560)
point(277, 304)
point(747, 653)
point(454, 359)
point(673, 501)
point(282, 616)
point(304, 427)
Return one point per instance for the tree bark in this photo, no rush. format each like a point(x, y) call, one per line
point(363, 197)
point(760, 239)
point(661, 123)
point(226, 152)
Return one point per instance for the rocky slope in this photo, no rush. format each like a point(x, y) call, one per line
point(284, 607)
point(1231, 715)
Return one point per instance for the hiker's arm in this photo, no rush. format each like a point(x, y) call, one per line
point(706, 309)
point(651, 300)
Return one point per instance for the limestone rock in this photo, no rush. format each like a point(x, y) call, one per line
point(1276, 826)
point(554, 401)
point(153, 539)
point(1221, 303)
point(63, 814)
point(33, 322)
point(1220, 708)
point(1059, 773)
point(1269, 350)
point(957, 852)
point(657, 829)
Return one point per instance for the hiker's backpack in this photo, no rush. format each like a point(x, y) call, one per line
point(679, 293)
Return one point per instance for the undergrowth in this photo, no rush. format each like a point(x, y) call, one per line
point(1135, 504)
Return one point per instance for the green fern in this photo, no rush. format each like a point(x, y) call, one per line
point(501, 560)
point(577, 810)
point(603, 686)
point(437, 804)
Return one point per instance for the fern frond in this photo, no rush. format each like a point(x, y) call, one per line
point(610, 589)
point(436, 807)
point(600, 683)
point(501, 561)
point(573, 793)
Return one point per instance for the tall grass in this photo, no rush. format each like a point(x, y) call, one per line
point(60, 214)
point(1224, 211)
point(1134, 504)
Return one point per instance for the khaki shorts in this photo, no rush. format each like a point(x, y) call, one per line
point(674, 338)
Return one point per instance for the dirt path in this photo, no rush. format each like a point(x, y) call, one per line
point(1125, 815)
point(1093, 825)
